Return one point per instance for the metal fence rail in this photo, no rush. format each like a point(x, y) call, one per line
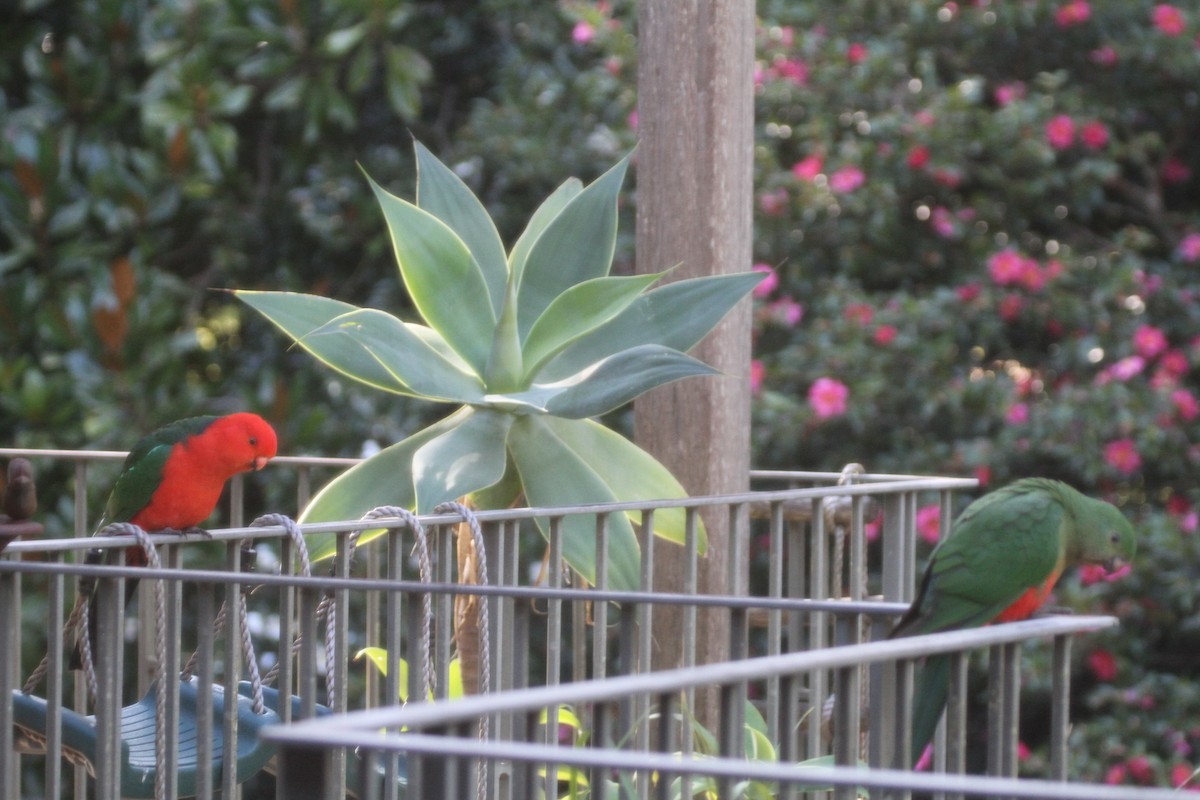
point(441, 752)
point(802, 552)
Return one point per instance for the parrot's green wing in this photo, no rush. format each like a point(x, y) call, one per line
point(1004, 544)
point(142, 472)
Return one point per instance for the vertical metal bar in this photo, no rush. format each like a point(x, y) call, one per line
point(233, 660)
point(81, 501)
point(600, 611)
point(1012, 707)
point(168, 670)
point(690, 583)
point(110, 643)
point(10, 621)
point(995, 716)
point(896, 578)
point(668, 707)
point(205, 614)
point(956, 718)
point(306, 667)
point(445, 565)
point(901, 757)
point(645, 639)
point(338, 671)
point(303, 486)
point(80, 697)
point(285, 682)
point(818, 686)
point(373, 625)
point(554, 566)
point(237, 501)
point(774, 615)
point(392, 629)
point(846, 723)
point(1060, 707)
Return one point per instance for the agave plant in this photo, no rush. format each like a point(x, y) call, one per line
point(532, 344)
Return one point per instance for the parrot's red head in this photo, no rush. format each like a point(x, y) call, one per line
point(247, 441)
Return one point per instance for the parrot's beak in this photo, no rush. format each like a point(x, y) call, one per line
point(1113, 564)
point(260, 462)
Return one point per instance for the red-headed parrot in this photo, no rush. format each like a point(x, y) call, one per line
point(999, 563)
point(173, 478)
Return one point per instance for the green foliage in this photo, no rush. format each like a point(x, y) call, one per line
point(521, 341)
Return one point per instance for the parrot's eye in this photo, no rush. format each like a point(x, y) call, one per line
point(253, 441)
point(1115, 538)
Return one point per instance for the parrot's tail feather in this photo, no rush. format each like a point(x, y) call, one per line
point(929, 700)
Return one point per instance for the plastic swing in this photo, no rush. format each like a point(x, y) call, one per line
point(141, 749)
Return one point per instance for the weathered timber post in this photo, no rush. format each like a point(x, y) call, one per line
point(694, 189)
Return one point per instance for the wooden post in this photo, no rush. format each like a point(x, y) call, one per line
point(694, 185)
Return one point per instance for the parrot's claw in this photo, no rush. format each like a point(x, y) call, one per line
point(192, 531)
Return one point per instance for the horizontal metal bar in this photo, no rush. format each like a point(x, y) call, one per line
point(973, 785)
point(323, 582)
point(361, 728)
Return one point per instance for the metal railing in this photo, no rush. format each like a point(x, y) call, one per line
point(800, 550)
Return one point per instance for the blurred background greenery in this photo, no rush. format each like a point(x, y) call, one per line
point(982, 219)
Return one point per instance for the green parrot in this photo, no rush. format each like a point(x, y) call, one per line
point(999, 563)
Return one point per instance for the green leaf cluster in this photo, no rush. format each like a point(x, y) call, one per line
point(531, 344)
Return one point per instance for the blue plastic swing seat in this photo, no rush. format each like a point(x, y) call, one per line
point(138, 756)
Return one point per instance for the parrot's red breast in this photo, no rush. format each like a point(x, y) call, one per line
point(1030, 601)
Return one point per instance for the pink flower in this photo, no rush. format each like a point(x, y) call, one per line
point(1175, 171)
point(1149, 341)
point(1122, 455)
point(1140, 769)
point(1105, 56)
point(786, 311)
point(827, 397)
point(929, 523)
point(1094, 135)
point(1189, 248)
point(769, 283)
point(846, 179)
point(582, 33)
point(1103, 665)
point(948, 177)
point(1181, 774)
point(1005, 267)
point(1075, 12)
point(808, 168)
point(1010, 307)
point(1186, 404)
point(856, 53)
point(885, 335)
point(969, 292)
point(918, 156)
point(1168, 19)
point(942, 222)
point(1018, 414)
point(774, 202)
point(792, 69)
point(860, 313)
point(757, 373)
point(1125, 369)
point(1023, 751)
point(1007, 92)
point(1060, 132)
point(1032, 276)
point(926, 759)
point(1116, 774)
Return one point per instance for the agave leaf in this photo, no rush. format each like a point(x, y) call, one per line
point(410, 361)
point(578, 310)
point(554, 474)
point(445, 283)
point(384, 479)
point(464, 459)
point(504, 369)
point(576, 245)
point(298, 315)
point(545, 214)
point(619, 378)
point(632, 474)
point(676, 315)
point(443, 194)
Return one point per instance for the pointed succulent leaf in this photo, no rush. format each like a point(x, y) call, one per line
point(505, 367)
point(554, 474)
point(578, 310)
point(677, 315)
point(384, 479)
point(632, 474)
point(443, 194)
point(576, 245)
point(610, 383)
point(545, 214)
point(298, 315)
point(446, 284)
point(464, 459)
point(416, 366)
